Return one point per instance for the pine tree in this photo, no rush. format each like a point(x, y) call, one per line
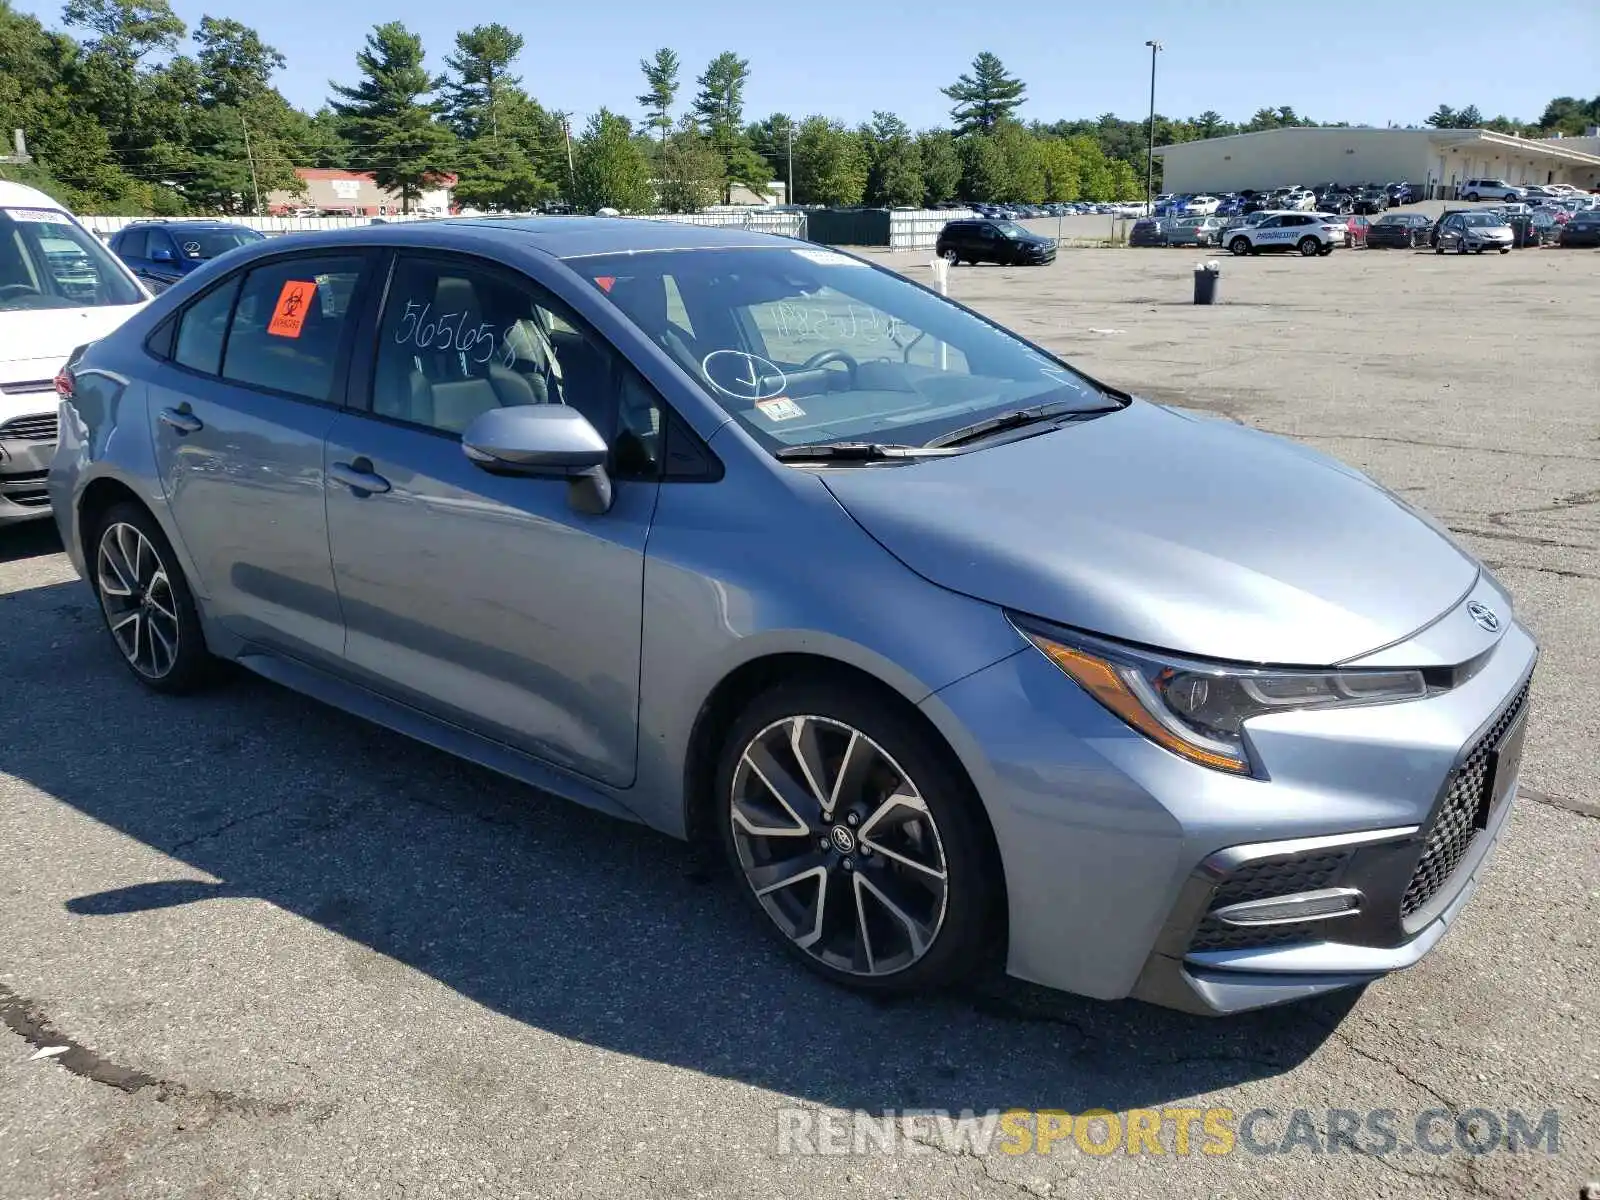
point(611, 169)
point(661, 89)
point(719, 106)
point(475, 93)
point(986, 97)
point(389, 117)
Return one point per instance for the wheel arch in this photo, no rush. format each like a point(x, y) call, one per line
point(97, 499)
point(749, 679)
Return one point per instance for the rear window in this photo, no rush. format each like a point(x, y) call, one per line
point(200, 244)
point(48, 260)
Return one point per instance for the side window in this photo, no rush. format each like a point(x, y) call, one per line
point(1271, 223)
point(160, 239)
point(203, 327)
point(131, 243)
point(457, 339)
point(289, 322)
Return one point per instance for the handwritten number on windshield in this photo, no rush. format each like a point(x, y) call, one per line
point(448, 332)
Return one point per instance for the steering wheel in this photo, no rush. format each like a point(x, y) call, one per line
point(830, 356)
point(17, 287)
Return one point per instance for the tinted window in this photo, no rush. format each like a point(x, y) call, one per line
point(47, 260)
point(288, 325)
point(457, 339)
point(161, 240)
point(133, 243)
point(203, 327)
point(199, 244)
point(807, 345)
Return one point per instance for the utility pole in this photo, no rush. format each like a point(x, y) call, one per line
point(1150, 162)
point(788, 195)
point(572, 176)
point(21, 157)
point(255, 185)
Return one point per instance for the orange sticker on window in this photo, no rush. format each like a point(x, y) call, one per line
point(605, 282)
point(290, 314)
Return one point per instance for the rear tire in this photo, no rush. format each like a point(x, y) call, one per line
point(878, 894)
point(951, 257)
point(1473, 197)
point(1505, 249)
point(1239, 247)
point(148, 608)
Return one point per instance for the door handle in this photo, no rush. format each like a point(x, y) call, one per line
point(358, 476)
point(182, 420)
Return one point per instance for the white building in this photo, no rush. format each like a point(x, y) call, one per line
point(1437, 159)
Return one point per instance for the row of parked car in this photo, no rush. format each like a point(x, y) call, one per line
point(1019, 212)
point(1360, 198)
point(1478, 228)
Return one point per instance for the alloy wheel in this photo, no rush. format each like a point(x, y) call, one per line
point(839, 846)
point(136, 594)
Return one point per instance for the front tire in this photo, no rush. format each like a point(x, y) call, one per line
point(1310, 247)
point(858, 839)
point(1473, 197)
point(1505, 249)
point(148, 607)
point(951, 257)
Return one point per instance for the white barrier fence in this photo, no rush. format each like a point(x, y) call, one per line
point(919, 229)
point(789, 224)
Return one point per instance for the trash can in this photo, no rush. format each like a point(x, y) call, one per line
point(1205, 282)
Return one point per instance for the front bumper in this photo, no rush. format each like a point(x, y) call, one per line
point(1117, 853)
point(27, 446)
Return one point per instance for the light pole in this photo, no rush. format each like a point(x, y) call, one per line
point(1150, 161)
point(788, 192)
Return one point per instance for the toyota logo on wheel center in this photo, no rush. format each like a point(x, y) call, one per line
point(843, 840)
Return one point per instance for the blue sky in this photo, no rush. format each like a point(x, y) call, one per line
point(845, 58)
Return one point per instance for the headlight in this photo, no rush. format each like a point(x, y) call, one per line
point(1198, 709)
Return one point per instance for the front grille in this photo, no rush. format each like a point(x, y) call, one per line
point(1457, 825)
point(1261, 880)
point(40, 427)
point(27, 488)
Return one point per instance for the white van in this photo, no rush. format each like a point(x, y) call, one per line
point(1488, 189)
point(59, 288)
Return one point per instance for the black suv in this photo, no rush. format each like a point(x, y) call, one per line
point(163, 252)
point(995, 241)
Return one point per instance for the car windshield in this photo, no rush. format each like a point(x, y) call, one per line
point(48, 261)
point(208, 243)
point(1481, 219)
point(1011, 229)
point(807, 345)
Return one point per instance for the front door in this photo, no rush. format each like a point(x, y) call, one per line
point(238, 419)
point(488, 600)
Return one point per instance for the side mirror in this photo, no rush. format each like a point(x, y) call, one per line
point(547, 441)
point(161, 256)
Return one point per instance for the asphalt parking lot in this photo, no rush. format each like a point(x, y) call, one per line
point(291, 955)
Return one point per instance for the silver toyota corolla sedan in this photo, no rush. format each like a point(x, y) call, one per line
point(960, 656)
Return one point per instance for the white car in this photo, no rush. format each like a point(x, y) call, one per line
point(1308, 233)
point(59, 289)
point(1202, 206)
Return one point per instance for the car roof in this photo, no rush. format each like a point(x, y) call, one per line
point(19, 195)
point(559, 237)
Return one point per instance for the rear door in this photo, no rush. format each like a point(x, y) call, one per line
point(253, 378)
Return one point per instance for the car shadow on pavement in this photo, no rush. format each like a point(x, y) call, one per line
point(590, 928)
point(30, 539)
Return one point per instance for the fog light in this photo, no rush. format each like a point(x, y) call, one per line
point(1283, 910)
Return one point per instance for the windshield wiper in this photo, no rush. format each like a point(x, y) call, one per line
point(1014, 419)
point(856, 452)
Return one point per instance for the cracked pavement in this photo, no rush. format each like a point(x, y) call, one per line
point(291, 955)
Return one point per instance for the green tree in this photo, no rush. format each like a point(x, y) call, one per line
point(985, 174)
point(894, 162)
point(719, 108)
point(1569, 116)
point(770, 139)
point(689, 170)
point(123, 33)
point(1060, 168)
point(1126, 183)
point(390, 116)
point(985, 97)
point(830, 163)
point(236, 66)
point(480, 83)
point(660, 90)
point(1210, 124)
point(612, 171)
point(941, 168)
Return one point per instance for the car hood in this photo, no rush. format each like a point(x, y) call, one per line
point(1170, 530)
point(39, 340)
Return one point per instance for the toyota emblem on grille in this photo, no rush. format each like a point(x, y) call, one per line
point(1483, 615)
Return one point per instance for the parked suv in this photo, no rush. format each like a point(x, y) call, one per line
point(59, 288)
point(163, 252)
point(1488, 189)
point(993, 241)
